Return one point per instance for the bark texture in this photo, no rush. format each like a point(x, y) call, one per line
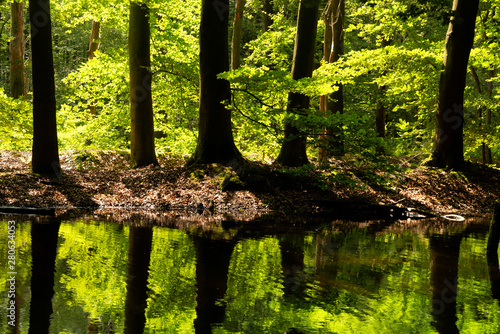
point(215, 138)
point(17, 84)
point(142, 147)
point(45, 156)
point(293, 150)
point(448, 138)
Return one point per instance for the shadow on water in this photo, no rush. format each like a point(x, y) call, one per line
point(335, 277)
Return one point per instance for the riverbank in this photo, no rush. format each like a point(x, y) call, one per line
point(103, 180)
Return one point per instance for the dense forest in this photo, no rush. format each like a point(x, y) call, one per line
point(287, 81)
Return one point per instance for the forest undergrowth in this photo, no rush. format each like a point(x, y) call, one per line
point(103, 179)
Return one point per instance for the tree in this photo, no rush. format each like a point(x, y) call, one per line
point(333, 48)
point(94, 38)
point(267, 12)
point(17, 85)
point(448, 137)
point(215, 138)
point(142, 147)
point(45, 155)
point(293, 150)
point(237, 28)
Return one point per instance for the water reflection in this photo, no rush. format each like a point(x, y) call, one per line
point(96, 277)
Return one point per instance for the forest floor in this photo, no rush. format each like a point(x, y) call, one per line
point(103, 180)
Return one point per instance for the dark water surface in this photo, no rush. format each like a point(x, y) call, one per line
point(84, 276)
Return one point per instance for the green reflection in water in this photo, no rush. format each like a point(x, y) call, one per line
point(23, 274)
point(90, 284)
point(477, 311)
point(172, 278)
point(326, 282)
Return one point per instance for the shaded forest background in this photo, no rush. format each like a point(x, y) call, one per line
point(387, 73)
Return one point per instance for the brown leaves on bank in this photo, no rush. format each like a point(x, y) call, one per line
point(104, 180)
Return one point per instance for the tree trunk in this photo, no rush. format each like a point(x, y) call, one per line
point(266, 15)
point(293, 150)
point(142, 147)
point(381, 111)
point(17, 84)
point(448, 138)
point(237, 28)
point(215, 137)
point(94, 43)
point(486, 150)
point(332, 139)
point(45, 155)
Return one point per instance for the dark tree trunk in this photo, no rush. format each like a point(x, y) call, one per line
point(142, 146)
point(212, 267)
point(215, 137)
point(293, 150)
point(139, 256)
point(45, 155)
point(444, 253)
point(448, 138)
point(17, 85)
point(332, 141)
point(267, 11)
point(43, 252)
point(237, 29)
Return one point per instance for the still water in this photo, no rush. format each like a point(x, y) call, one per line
point(87, 276)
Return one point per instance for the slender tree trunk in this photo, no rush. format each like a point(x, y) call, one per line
point(293, 150)
point(17, 85)
point(95, 36)
point(448, 138)
point(332, 139)
point(486, 150)
point(381, 110)
point(45, 155)
point(237, 29)
point(267, 11)
point(215, 137)
point(142, 147)
point(94, 43)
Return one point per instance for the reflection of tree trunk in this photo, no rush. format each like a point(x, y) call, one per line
point(139, 252)
point(444, 252)
point(292, 263)
point(212, 265)
point(492, 254)
point(326, 264)
point(43, 254)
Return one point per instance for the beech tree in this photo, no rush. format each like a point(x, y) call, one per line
point(215, 138)
point(448, 137)
point(237, 29)
point(45, 155)
point(293, 150)
point(142, 148)
point(17, 84)
point(333, 48)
